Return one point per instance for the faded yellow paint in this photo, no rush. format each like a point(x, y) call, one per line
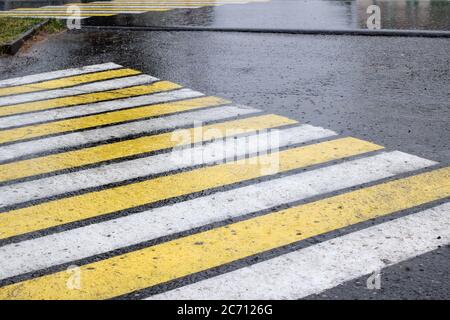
point(88, 98)
point(89, 10)
point(161, 263)
point(68, 81)
point(164, 3)
point(64, 9)
point(66, 210)
point(160, 3)
point(126, 148)
point(11, 14)
point(108, 118)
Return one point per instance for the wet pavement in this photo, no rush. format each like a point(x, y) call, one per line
point(283, 14)
point(298, 14)
point(395, 90)
point(391, 91)
point(332, 81)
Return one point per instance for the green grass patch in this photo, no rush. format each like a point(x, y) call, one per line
point(11, 28)
point(54, 26)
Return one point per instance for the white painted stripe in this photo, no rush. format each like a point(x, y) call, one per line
point(113, 3)
point(137, 3)
point(45, 17)
point(81, 11)
point(149, 6)
point(115, 9)
point(119, 3)
point(82, 110)
point(105, 236)
point(73, 139)
point(82, 89)
point(328, 264)
point(57, 74)
point(167, 1)
point(211, 153)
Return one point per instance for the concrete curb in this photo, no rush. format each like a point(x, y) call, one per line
point(350, 32)
point(14, 46)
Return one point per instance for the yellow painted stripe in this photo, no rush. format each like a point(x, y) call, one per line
point(88, 98)
point(156, 3)
point(57, 212)
point(175, 1)
point(64, 10)
point(161, 263)
point(125, 7)
point(69, 81)
point(151, 3)
point(11, 14)
point(107, 118)
point(126, 148)
point(124, 3)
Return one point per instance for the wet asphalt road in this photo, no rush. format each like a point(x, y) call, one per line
point(279, 14)
point(392, 91)
point(297, 14)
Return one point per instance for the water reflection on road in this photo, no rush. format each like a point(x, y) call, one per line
point(295, 14)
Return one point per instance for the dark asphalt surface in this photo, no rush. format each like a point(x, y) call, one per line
point(392, 91)
point(419, 278)
point(280, 14)
point(298, 14)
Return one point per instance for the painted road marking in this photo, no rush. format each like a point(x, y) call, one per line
point(108, 118)
point(328, 264)
point(86, 88)
point(40, 253)
point(201, 251)
point(57, 74)
point(86, 109)
point(93, 204)
point(85, 10)
point(69, 81)
point(113, 8)
point(132, 182)
point(158, 3)
point(85, 98)
point(122, 149)
point(63, 16)
point(84, 13)
point(97, 135)
point(131, 147)
point(132, 169)
point(166, 2)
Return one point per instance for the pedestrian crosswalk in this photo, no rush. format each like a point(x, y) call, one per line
point(111, 8)
point(136, 182)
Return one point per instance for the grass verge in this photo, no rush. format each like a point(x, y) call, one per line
point(54, 26)
point(12, 28)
